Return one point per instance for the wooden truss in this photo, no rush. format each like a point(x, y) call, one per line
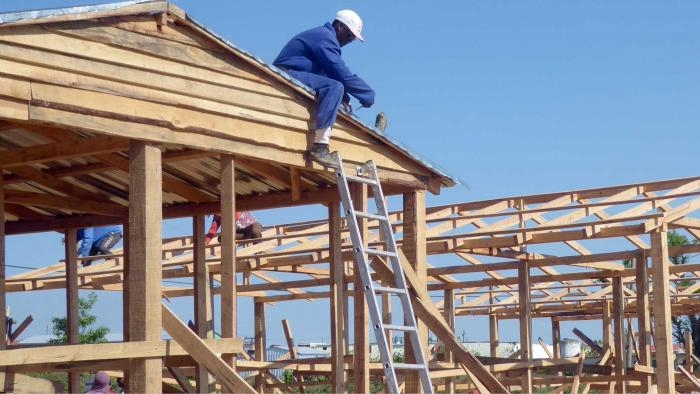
point(559, 256)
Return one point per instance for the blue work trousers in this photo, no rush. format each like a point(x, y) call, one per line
point(329, 93)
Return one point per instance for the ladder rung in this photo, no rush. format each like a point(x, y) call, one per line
point(380, 252)
point(370, 215)
point(408, 366)
point(360, 179)
point(399, 328)
point(389, 290)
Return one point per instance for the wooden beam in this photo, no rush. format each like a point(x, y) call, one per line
point(338, 301)
point(62, 150)
point(618, 305)
point(229, 311)
point(588, 341)
point(643, 316)
point(145, 271)
point(12, 382)
point(663, 336)
point(20, 329)
point(525, 311)
point(72, 300)
point(223, 372)
point(414, 249)
point(260, 340)
point(202, 298)
point(358, 194)
point(69, 203)
point(65, 355)
point(182, 380)
point(292, 350)
point(3, 286)
point(430, 315)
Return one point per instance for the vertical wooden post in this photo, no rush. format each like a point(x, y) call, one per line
point(414, 247)
point(663, 336)
point(126, 322)
point(361, 356)
point(229, 310)
point(525, 306)
point(556, 338)
point(608, 339)
point(339, 322)
point(202, 298)
point(145, 254)
point(493, 334)
point(620, 337)
point(72, 304)
point(3, 287)
point(260, 342)
point(449, 310)
point(689, 363)
point(643, 317)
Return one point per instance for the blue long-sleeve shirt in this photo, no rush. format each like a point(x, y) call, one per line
point(318, 51)
point(88, 236)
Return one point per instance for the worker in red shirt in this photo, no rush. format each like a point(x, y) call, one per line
point(247, 227)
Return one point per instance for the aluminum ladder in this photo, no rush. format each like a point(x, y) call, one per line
point(367, 174)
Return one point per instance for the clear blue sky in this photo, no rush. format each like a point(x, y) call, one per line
point(512, 97)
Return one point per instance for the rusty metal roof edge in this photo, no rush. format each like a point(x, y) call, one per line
point(13, 17)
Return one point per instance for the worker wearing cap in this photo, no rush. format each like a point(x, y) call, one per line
point(314, 58)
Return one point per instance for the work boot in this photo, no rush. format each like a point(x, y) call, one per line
point(321, 155)
point(380, 122)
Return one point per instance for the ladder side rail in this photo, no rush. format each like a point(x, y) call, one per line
point(362, 266)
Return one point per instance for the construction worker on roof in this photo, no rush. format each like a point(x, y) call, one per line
point(314, 58)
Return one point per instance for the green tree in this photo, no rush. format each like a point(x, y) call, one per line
point(88, 333)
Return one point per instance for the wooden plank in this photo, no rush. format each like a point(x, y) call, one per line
point(292, 350)
point(12, 109)
point(60, 150)
point(588, 341)
point(115, 9)
point(123, 35)
point(663, 337)
point(20, 329)
point(203, 354)
point(12, 382)
point(182, 380)
point(280, 154)
point(145, 272)
point(578, 373)
point(68, 203)
point(69, 354)
point(429, 314)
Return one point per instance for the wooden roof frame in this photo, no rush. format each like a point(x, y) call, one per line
point(79, 83)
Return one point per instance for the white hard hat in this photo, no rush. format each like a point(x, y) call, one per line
point(352, 21)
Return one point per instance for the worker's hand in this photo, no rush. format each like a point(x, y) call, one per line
point(347, 108)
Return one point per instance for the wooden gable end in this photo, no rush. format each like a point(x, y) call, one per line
point(161, 78)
